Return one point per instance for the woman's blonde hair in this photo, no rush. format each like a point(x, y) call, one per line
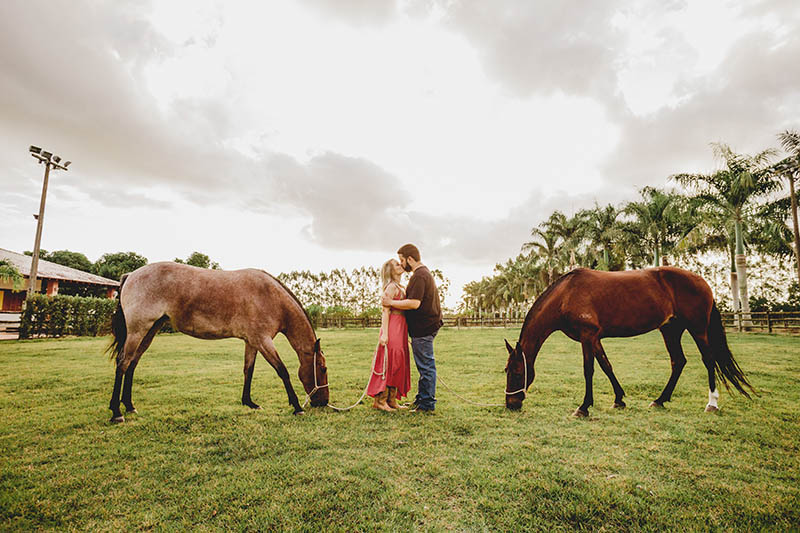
point(387, 273)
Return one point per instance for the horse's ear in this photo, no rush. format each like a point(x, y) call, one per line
point(316, 345)
point(519, 348)
point(509, 348)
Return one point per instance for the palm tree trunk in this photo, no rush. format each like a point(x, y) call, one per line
point(741, 272)
point(794, 221)
point(734, 284)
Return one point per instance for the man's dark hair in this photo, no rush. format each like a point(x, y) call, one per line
point(409, 250)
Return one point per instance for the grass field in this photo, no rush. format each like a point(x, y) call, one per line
point(194, 458)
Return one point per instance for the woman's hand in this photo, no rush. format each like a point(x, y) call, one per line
point(384, 338)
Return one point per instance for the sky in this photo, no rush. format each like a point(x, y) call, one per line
point(322, 134)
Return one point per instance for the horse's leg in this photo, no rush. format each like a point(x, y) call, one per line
point(708, 359)
point(588, 374)
point(267, 349)
point(605, 364)
point(672, 339)
point(250, 353)
point(128, 383)
point(132, 342)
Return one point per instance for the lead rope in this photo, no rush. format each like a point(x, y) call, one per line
point(317, 387)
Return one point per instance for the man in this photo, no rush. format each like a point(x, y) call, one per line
point(424, 318)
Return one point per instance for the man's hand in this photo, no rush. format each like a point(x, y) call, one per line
point(387, 301)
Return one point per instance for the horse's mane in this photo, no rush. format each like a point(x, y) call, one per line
point(537, 305)
point(300, 305)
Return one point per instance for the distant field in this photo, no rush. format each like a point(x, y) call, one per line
point(194, 458)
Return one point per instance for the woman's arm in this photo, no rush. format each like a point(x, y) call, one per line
point(390, 291)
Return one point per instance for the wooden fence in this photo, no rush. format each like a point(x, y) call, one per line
point(763, 321)
point(449, 322)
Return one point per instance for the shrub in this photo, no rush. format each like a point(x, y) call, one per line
point(66, 315)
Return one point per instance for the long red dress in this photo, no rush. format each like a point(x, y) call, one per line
point(395, 356)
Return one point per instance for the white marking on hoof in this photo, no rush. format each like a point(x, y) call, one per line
point(580, 414)
point(657, 405)
point(131, 410)
point(713, 396)
point(118, 420)
point(298, 413)
point(620, 405)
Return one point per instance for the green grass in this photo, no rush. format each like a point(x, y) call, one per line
point(194, 458)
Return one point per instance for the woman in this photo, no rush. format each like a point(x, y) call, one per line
point(391, 366)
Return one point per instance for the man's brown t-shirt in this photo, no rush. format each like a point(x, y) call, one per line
point(427, 318)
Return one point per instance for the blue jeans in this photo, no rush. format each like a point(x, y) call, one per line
point(426, 366)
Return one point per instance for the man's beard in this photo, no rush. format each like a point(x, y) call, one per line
point(407, 267)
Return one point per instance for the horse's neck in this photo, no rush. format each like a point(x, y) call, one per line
point(298, 331)
point(537, 328)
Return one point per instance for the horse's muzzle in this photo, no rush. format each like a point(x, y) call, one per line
point(515, 404)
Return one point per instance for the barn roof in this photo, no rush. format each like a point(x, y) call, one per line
point(50, 270)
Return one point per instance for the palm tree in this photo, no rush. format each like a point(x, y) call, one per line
point(10, 274)
point(546, 245)
point(658, 220)
point(730, 194)
point(603, 230)
point(569, 229)
point(790, 169)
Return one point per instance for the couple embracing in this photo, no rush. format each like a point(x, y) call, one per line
point(413, 311)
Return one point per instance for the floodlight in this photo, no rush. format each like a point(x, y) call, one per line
point(56, 158)
point(47, 155)
point(68, 163)
point(35, 149)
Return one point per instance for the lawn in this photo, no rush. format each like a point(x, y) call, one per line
point(194, 458)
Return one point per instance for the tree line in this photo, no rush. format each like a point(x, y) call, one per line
point(343, 293)
point(742, 208)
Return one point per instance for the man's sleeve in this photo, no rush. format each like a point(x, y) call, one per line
point(415, 290)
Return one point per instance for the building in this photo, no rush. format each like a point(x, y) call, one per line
point(49, 279)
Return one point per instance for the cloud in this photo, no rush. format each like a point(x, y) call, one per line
point(745, 102)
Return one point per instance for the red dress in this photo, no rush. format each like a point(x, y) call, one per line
point(394, 357)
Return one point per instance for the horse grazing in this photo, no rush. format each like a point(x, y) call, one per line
point(589, 305)
point(214, 304)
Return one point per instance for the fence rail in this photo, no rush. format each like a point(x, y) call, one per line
point(766, 321)
point(449, 322)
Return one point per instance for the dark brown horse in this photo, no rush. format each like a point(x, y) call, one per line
point(589, 305)
point(214, 304)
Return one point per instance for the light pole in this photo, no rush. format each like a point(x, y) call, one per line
point(50, 161)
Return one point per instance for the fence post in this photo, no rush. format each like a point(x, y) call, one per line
point(769, 322)
point(739, 320)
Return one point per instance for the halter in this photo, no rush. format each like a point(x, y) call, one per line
point(524, 389)
point(317, 386)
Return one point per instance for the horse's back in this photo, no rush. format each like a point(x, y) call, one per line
point(628, 303)
point(200, 302)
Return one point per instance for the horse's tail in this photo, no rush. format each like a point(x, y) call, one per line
point(118, 327)
point(725, 366)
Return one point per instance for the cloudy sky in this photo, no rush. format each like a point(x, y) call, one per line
point(326, 133)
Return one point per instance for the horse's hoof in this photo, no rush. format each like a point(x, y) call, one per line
point(618, 405)
point(711, 408)
point(298, 413)
point(117, 419)
point(131, 410)
point(580, 413)
point(252, 405)
point(657, 405)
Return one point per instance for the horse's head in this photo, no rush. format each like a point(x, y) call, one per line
point(314, 375)
point(519, 376)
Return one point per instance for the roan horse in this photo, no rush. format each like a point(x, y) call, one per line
point(214, 304)
point(589, 305)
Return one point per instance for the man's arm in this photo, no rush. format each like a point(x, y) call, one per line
point(400, 304)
